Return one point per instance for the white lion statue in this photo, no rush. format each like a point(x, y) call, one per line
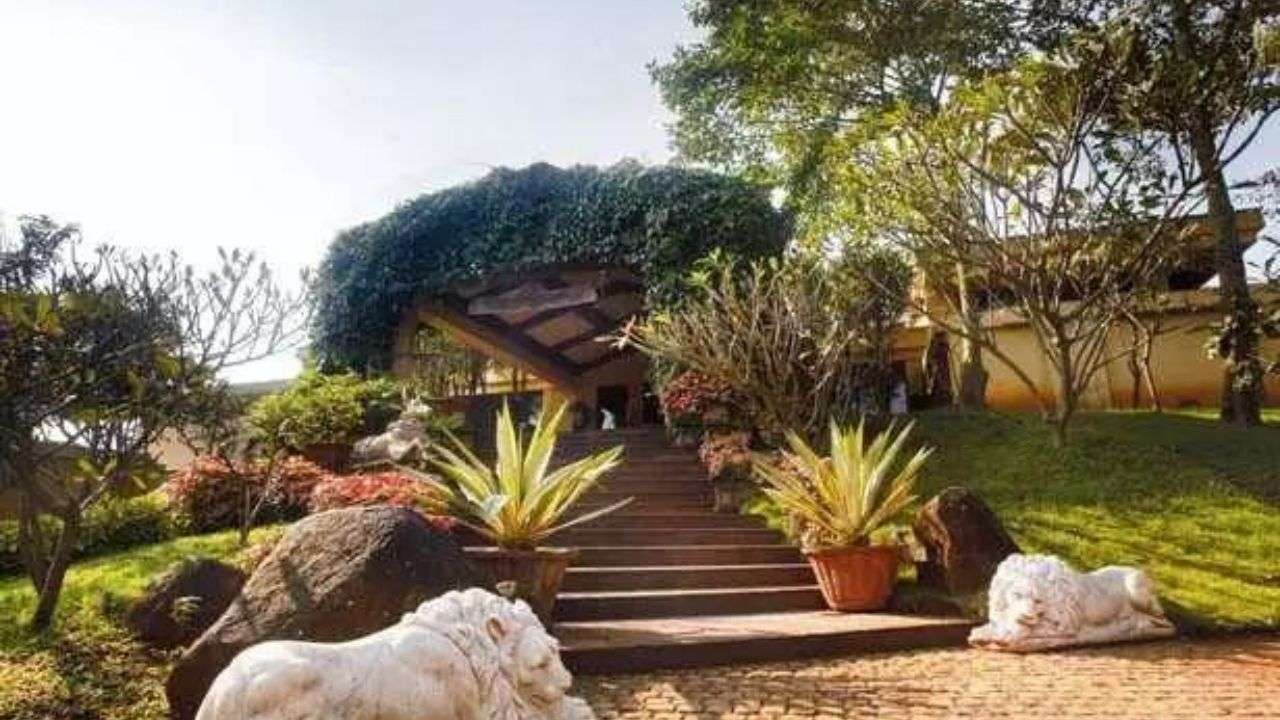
point(468, 655)
point(403, 440)
point(1037, 602)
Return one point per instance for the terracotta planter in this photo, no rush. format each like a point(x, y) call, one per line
point(330, 456)
point(537, 574)
point(856, 579)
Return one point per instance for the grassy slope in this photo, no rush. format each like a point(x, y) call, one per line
point(1196, 504)
point(90, 668)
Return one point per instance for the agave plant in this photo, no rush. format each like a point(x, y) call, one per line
point(520, 501)
point(840, 500)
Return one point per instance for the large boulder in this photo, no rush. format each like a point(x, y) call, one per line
point(964, 542)
point(334, 576)
point(183, 602)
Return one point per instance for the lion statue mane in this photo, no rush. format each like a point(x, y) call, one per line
point(466, 655)
point(1038, 602)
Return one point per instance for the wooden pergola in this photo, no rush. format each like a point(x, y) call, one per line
point(552, 323)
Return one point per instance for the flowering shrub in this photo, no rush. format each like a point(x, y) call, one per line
point(207, 495)
point(380, 488)
point(692, 398)
point(727, 456)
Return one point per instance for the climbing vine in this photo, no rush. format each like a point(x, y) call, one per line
point(656, 220)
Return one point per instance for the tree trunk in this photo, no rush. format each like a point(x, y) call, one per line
point(1135, 371)
point(51, 589)
point(1148, 376)
point(1067, 400)
point(1238, 346)
point(1140, 364)
point(31, 550)
point(246, 511)
point(972, 387)
point(1242, 374)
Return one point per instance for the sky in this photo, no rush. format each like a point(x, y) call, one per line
point(272, 125)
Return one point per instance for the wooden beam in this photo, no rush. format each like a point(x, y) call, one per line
point(532, 296)
point(496, 340)
point(597, 318)
point(622, 287)
point(605, 359)
point(553, 313)
point(539, 319)
point(576, 340)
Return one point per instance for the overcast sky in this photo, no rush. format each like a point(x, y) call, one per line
point(271, 125)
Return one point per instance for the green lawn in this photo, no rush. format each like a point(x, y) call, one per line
point(89, 667)
point(1196, 504)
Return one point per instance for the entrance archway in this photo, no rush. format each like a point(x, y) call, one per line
point(553, 324)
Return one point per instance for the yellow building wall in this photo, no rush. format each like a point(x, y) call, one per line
point(1185, 375)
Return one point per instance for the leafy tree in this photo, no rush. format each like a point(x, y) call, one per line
point(100, 355)
point(1205, 73)
point(802, 341)
point(788, 90)
point(1020, 180)
point(656, 220)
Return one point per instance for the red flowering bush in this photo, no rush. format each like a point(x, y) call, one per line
point(380, 488)
point(727, 456)
point(207, 495)
point(692, 398)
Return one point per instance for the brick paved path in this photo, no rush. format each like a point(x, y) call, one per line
point(1236, 678)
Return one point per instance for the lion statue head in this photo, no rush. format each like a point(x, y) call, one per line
point(1032, 596)
point(514, 658)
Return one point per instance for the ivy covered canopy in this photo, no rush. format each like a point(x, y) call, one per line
point(655, 220)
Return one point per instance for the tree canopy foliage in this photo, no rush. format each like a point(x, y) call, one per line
point(657, 220)
point(101, 353)
point(801, 341)
point(777, 87)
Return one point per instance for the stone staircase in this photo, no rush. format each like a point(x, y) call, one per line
point(666, 582)
point(668, 554)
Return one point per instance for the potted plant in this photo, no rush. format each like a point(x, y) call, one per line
point(320, 416)
point(520, 502)
point(838, 502)
point(727, 457)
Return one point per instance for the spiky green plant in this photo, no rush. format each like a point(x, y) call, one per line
point(840, 500)
point(519, 501)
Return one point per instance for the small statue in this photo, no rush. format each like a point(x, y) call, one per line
point(1037, 602)
point(403, 442)
point(468, 655)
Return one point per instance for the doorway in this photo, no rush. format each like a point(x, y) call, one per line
point(612, 399)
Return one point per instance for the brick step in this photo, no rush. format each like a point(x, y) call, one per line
point(629, 431)
point(635, 446)
point(597, 579)
point(677, 498)
point(632, 447)
point(660, 469)
point(628, 518)
point(632, 461)
point(646, 486)
point(633, 555)
point(576, 537)
point(637, 645)
point(572, 607)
